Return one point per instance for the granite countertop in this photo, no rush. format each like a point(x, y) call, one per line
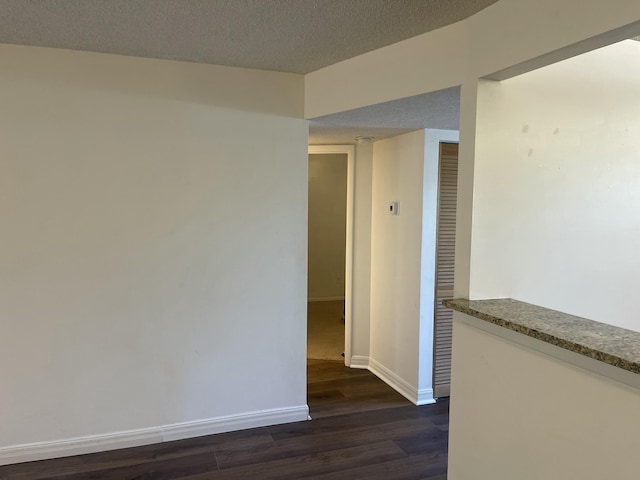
point(609, 344)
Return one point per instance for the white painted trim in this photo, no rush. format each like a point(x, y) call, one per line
point(231, 423)
point(324, 299)
point(145, 436)
point(425, 397)
point(359, 361)
point(400, 385)
point(350, 151)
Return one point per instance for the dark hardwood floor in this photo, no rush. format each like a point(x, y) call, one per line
point(361, 429)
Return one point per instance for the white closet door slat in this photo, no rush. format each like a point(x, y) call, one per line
point(445, 253)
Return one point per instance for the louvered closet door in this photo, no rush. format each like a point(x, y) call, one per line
point(445, 251)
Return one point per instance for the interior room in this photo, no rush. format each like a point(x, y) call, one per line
point(154, 196)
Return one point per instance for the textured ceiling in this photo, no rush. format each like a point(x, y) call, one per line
point(439, 109)
point(297, 36)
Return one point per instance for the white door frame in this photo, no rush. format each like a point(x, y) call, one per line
point(349, 150)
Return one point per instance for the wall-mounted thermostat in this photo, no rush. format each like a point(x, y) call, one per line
point(393, 208)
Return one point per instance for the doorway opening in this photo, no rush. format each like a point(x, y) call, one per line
point(394, 281)
point(330, 252)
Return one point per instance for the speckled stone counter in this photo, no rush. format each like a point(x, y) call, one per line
point(612, 345)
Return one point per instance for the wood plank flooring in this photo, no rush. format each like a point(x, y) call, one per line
point(361, 429)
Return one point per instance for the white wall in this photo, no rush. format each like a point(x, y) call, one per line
point(396, 242)
point(397, 324)
point(405, 169)
point(557, 187)
point(327, 226)
point(555, 222)
point(520, 414)
point(153, 249)
point(503, 35)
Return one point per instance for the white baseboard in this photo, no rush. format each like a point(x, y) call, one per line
point(422, 397)
point(145, 436)
point(359, 361)
point(425, 396)
point(324, 299)
point(231, 423)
